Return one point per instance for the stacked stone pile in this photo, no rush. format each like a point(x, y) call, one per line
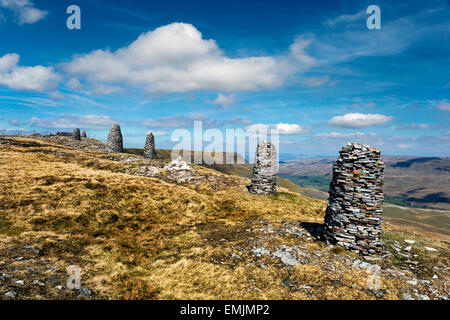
point(264, 169)
point(353, 217)
point(76, 134)
point(64, 134)
point(115, 140)
point(83, 134)
point(149, 149)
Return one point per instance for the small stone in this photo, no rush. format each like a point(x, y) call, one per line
point(410, 241)
point(430, 249)
point(11, 294)
point(412, 282)
point(435, 277)
point(59, 287)
point(407, 296)
point(84, 292)
point(37, 282)
point(408, 248)
point(19, 282)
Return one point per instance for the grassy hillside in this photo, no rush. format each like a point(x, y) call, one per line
point(138, 237)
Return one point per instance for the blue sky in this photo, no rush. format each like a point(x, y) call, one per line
point(312, 69)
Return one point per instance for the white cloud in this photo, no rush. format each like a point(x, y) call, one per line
point(346, 18)
point(238, 120)
point(443, 106)
point(359, 120)
point(73, 84)
point(74, 121)
point(15, 122)
point(315, 81)
point(158, 133)
point(24, 10)
point(56, 95)
point(181, 121)
point(405, 146)
point(176, 58)
point(283, 128)
point(223, 101)
point(38, 78)
point(346, 136)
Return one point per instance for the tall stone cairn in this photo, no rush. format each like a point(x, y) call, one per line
point(115, 140)
point(354, 213)
point(264, 170)
point(76, 134)
point(149, 149)
point(83, 134)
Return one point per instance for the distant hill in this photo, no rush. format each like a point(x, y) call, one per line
point(412, 181)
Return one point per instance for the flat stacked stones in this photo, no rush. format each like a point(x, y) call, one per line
point(264, 169)
point(354, 213)
point(83, 134)
point(64, 134)
point(115, 140)
point(76, 134)
point(149, 149)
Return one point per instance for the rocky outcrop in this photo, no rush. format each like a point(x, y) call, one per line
point(264, 169)
point(76, 134)
point(353, 217)
point(149, 149)
point(115, 140)
point(83, 134)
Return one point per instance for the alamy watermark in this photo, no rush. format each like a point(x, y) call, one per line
point(74, 280)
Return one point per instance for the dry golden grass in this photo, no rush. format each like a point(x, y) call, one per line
point(143, 238)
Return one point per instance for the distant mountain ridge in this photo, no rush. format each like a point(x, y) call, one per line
point(412, 181)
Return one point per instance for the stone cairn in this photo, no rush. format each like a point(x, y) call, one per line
point(149, 149)
point(83, 134)
point(115, 140)
point(354, 213)
point(76, 134)
point(264, 169)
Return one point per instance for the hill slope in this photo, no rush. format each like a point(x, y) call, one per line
point(140, 237)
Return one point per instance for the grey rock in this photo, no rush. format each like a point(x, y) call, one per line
point(76, 134)
point(84, 292)
point(11, 294)
point(83, 134)
point(149, 149)
point(115, 140)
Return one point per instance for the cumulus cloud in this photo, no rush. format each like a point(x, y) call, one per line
point(37, 78)
point(181, 121)
point(359, 120)
point(223, 101)
point(73, 121)
point(24, 10)
point(283, 128)
point(176, 58)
